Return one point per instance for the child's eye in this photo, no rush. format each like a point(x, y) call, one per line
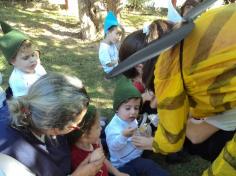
point(25, 58)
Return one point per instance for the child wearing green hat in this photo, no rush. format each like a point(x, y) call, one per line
point(86, 146)
point(108, 52)
point(19, 52)
point(123, 154)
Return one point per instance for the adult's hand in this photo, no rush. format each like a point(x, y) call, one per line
point(89, 169)
point(142, 142)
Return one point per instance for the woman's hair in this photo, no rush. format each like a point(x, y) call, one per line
point(138, 40)
point(131, 44)
point(157, 30)
point(188, 5)
point(85, 126)
point(53, 101)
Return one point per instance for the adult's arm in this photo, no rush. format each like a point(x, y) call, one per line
point(173, 105)
point(199, 132)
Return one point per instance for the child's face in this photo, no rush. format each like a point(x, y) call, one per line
point(114, 35)
point(139, 68)
point(94, 134)
point(26, 59)
point(129, 110)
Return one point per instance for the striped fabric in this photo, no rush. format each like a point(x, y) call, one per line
point(209, 72)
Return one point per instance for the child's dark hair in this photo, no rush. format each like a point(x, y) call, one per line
point(157, 30)
point(189, 4)
point(85, 126)
point(110, 29)
point(135, 98)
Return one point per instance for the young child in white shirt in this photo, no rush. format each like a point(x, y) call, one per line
point(123, 154)
point(19, 52)
point(108, 52)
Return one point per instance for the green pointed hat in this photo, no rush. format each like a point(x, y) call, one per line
point(124, 91)
point(11, 41)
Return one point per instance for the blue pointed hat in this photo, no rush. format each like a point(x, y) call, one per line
point(110, 20)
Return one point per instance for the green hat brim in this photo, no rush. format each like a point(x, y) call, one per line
point(11, 42)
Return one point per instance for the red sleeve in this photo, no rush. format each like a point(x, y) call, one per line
point(139, 86)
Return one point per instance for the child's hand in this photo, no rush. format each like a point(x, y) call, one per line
point(142, 142)
point(87, 168)
point(147, 96)
point(97, 154)
point(129, 132)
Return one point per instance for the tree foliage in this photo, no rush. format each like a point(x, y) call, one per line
point(136, 4)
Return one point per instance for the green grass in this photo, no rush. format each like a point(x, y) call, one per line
point(57, 38)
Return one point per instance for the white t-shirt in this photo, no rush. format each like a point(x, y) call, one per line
point(225, 121)
point(20, 82)
point(108, 54)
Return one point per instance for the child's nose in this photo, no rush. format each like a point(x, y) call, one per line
point(133, 111)
point(33, 59)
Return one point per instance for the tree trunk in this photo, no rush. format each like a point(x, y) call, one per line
point(88, 19)
point(229, 1)
point(113, 5)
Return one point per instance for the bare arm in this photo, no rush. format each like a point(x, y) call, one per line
point(199, 132)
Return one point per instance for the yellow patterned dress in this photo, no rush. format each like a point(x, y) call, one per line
point(208, 86)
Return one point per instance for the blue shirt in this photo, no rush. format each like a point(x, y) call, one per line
point(120, 147)
point(108, 54)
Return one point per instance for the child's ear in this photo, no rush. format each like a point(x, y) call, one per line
point(12, 62)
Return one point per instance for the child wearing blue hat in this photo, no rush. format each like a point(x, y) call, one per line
point(108, 52)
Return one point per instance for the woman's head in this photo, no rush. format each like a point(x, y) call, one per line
point(131, 44)
point(52, 106)
point(89, 129)
point(138, 40)
point(157, 30)
point(188, 5)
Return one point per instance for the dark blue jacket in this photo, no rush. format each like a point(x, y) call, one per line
point(51, 158)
